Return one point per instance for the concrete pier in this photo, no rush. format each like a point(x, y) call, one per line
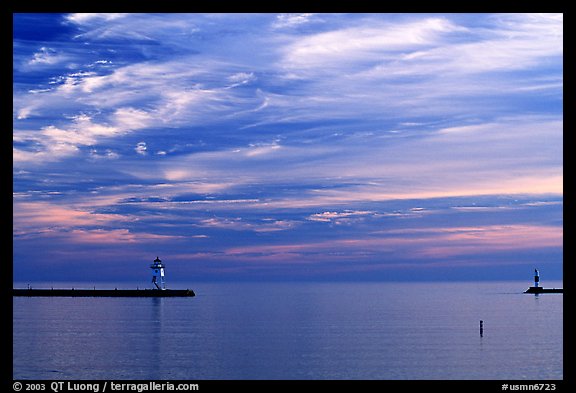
point(537, 290)
point(157, 279)
point(103, 292)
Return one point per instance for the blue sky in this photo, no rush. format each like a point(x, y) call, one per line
point(287, 146)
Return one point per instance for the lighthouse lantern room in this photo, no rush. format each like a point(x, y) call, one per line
point(158, 274)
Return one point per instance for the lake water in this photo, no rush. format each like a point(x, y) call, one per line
point(390, 331)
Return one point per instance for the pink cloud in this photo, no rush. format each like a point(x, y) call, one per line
point(40, 214)
point(114, 236)
point(426, 242)
point(47, 219)
point(488, 239)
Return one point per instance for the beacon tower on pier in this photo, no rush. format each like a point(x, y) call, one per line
point(157, 279)
point(537, 289)
point(158, 274)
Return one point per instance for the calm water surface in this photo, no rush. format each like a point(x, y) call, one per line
point(295, 331)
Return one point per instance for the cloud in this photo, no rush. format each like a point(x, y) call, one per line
point(52, 143)
point(478, 240)
point(292, 138)
point(46, 57)
point(43, 215)
point(114, 236)
point(142, 29)
point(412, 68)
point(141, 148)
point(338, 217)
point(450, 161)
point(85, 17)
point(510, 49)
point(106, 154)
point(412, 244)
point(239, 224)
point(292, 20)
point(241, 78)
point(369, 42)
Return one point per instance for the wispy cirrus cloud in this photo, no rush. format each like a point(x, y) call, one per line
point(371, 42)
point(293, 20)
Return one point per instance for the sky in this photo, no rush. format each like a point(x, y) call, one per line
point(287, 146)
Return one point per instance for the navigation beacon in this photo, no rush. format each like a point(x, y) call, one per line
point(158, 274)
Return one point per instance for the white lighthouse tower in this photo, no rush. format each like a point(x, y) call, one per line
point(536, 278)
point(158, 274)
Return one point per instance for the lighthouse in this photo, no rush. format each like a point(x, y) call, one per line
point(536, 289)
point(158, 274)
